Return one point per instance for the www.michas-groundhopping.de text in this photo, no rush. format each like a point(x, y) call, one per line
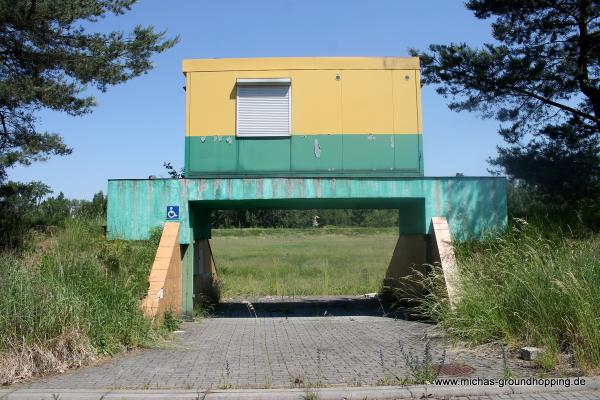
point(530, 381)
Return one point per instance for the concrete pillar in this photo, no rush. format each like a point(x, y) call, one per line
point(411, 217)
point(204, 269)
point(409, 256)
point(187, 280)
point(199, 226)
point(205, 273)
point(411, 251)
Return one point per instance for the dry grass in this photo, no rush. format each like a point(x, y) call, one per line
point(25, 360)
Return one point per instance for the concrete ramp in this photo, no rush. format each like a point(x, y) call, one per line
point(164, 291)
point(442, 251)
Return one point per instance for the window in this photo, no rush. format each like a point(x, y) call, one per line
point(263, 107)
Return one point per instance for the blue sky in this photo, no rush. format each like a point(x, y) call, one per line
point(140, 124)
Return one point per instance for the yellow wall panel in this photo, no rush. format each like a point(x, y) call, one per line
point(406, 118)
point(316, 102)
point(367, 102)
point(212, 111)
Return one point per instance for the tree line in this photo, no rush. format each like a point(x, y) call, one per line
point(27, 206)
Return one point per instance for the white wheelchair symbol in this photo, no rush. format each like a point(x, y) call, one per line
point(171, 214)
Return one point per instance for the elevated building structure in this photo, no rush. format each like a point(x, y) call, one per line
point(295, 133)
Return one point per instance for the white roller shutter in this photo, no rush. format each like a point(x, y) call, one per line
point(263, 109)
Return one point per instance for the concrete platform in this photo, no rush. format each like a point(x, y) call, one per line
point(472, 205)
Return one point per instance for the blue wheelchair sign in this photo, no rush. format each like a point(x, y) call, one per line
point(172, 213)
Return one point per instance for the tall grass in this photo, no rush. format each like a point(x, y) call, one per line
point(74, 300)
point(534, 285)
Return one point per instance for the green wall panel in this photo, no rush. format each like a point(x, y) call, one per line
point(407, 152)
point(211, 154)
point(368, 152)
point(317, 153)
point(263, 154)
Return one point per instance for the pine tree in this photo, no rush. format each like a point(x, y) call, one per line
point(48, 57)
point(541, 80)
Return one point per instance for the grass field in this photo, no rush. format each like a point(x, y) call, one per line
point(301, 262)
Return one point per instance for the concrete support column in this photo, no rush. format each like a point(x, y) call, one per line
point(411, 218)
point(187, 280)
point(409, 256)
point(411, 251)
point(204, 281)
point(199, 229)
point(205, 273)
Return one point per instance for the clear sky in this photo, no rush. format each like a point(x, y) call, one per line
point(140, 124)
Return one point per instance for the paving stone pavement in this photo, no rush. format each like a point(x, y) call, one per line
point(585, 395)
point(288, 394)
point(278, 351)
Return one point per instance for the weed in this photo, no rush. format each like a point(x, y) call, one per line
point(225, 386)
point(388, 378)
point(320, 376)
point(204, 307)
point(308, 395)
point(268, 382)
point(506, 371)
point(354, 382)
point(422, 370)
point(548, 358)
point(227, 378)
point(170, 322)
point(297, 382)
